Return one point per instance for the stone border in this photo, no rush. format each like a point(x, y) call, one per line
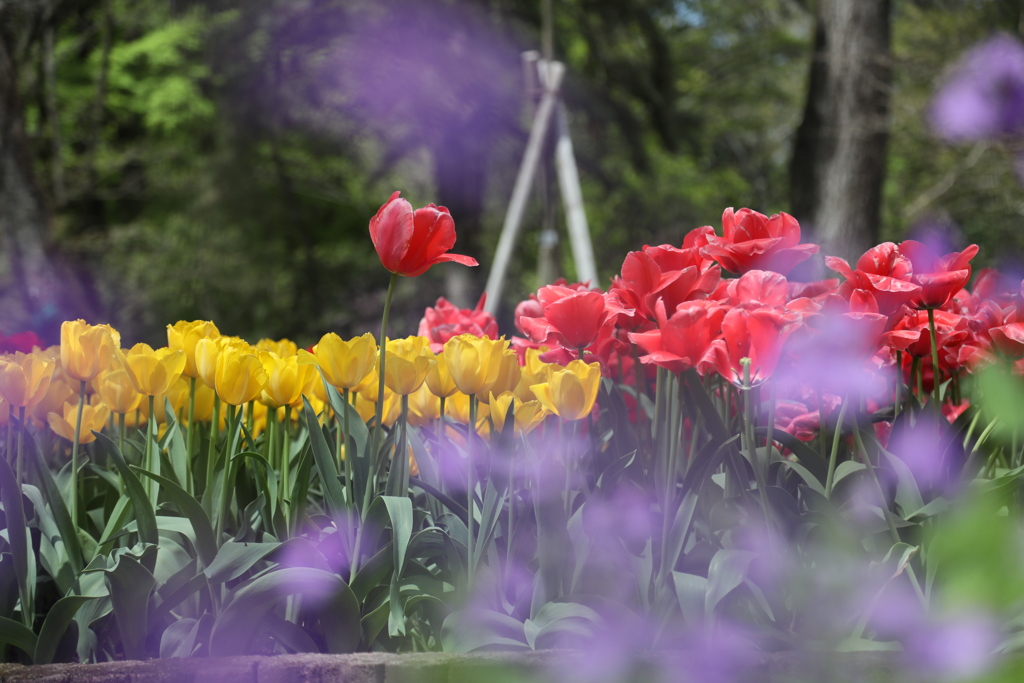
point(785, 667)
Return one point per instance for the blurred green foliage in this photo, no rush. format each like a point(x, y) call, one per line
point(221, 161)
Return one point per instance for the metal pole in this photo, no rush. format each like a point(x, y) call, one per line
point(521, 189)
point(572, 200)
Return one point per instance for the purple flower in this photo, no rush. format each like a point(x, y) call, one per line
point(984, 96)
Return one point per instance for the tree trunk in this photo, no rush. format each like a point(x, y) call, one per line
point(44, 290)
point(839, 157)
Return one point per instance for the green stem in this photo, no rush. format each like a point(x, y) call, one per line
point(20, 472)
point(382, 353)
point(225, 492)
point(834, 457)
point(285, 460)
point(211, 453)
point(74, 455)
point(9, 450)
point(760, 475)
point(250, 416)
point(149, 459)
point(346, 462)
point(936, 374)
point(471, 484)
point(899, 385)
point(189, 441)
point(120, 435)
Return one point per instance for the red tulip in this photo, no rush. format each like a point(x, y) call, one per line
point(445, 320)
point(758, 287)
point(752, 241)
point(662, 273)
point(409, 242)
point(754, 333)
point(22, 341)
point(912, 334)
point(883, 272)
point(940, 277)
point(681, 341)
point(572, 318)
point(1008, 340)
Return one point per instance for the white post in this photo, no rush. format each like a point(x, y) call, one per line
point(572, 200)
point(521, 189)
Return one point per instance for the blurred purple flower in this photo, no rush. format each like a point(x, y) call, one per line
point(946, 647)
point(984, 96)
point(929, 452)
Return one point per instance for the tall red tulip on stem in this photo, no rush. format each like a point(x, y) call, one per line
point(408, 243)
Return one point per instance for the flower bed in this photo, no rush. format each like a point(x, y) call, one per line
point(688, 462)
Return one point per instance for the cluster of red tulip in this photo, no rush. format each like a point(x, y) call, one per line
point(901, 310)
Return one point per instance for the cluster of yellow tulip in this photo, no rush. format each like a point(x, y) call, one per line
point(200, 368)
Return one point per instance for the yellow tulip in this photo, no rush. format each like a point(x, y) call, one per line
point(571, 392)
point(177, 395)
point(439, 378)
point(345, 364)
point(424, 407)
point(185, 335)
point(457, 408)
point(527, 415)
point(204, 403)
point(408, 363)
point(369, 387)
point(58, 393)
point(24, 378)
point(392, 407)
point(93, 418)
point(474, 362)
point(282, 347)
point(508, 376)
point(86, 350)
point(534, 371)
point(117, 391)
point(286, 380)
point(153, 372)
point(240, 375)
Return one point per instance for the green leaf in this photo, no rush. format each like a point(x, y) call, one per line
point(334, 494)
point(490, 511)
point(691, 591)
point(358, 438)
point(804, 474)
point(808, 457)
point(234, 559)
point(401, 514)
point(179, 639)
point(141, 504)
point(58, 618)
point(130, 586)
point(18, 635)
point(206, 542)
point(676, 538)
point(18, 537)
point(292, 636)
point(58, 508)
point(243, 614)
point(174, 444)
point(468, 631)
point(727, 571)
point(555, 617)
